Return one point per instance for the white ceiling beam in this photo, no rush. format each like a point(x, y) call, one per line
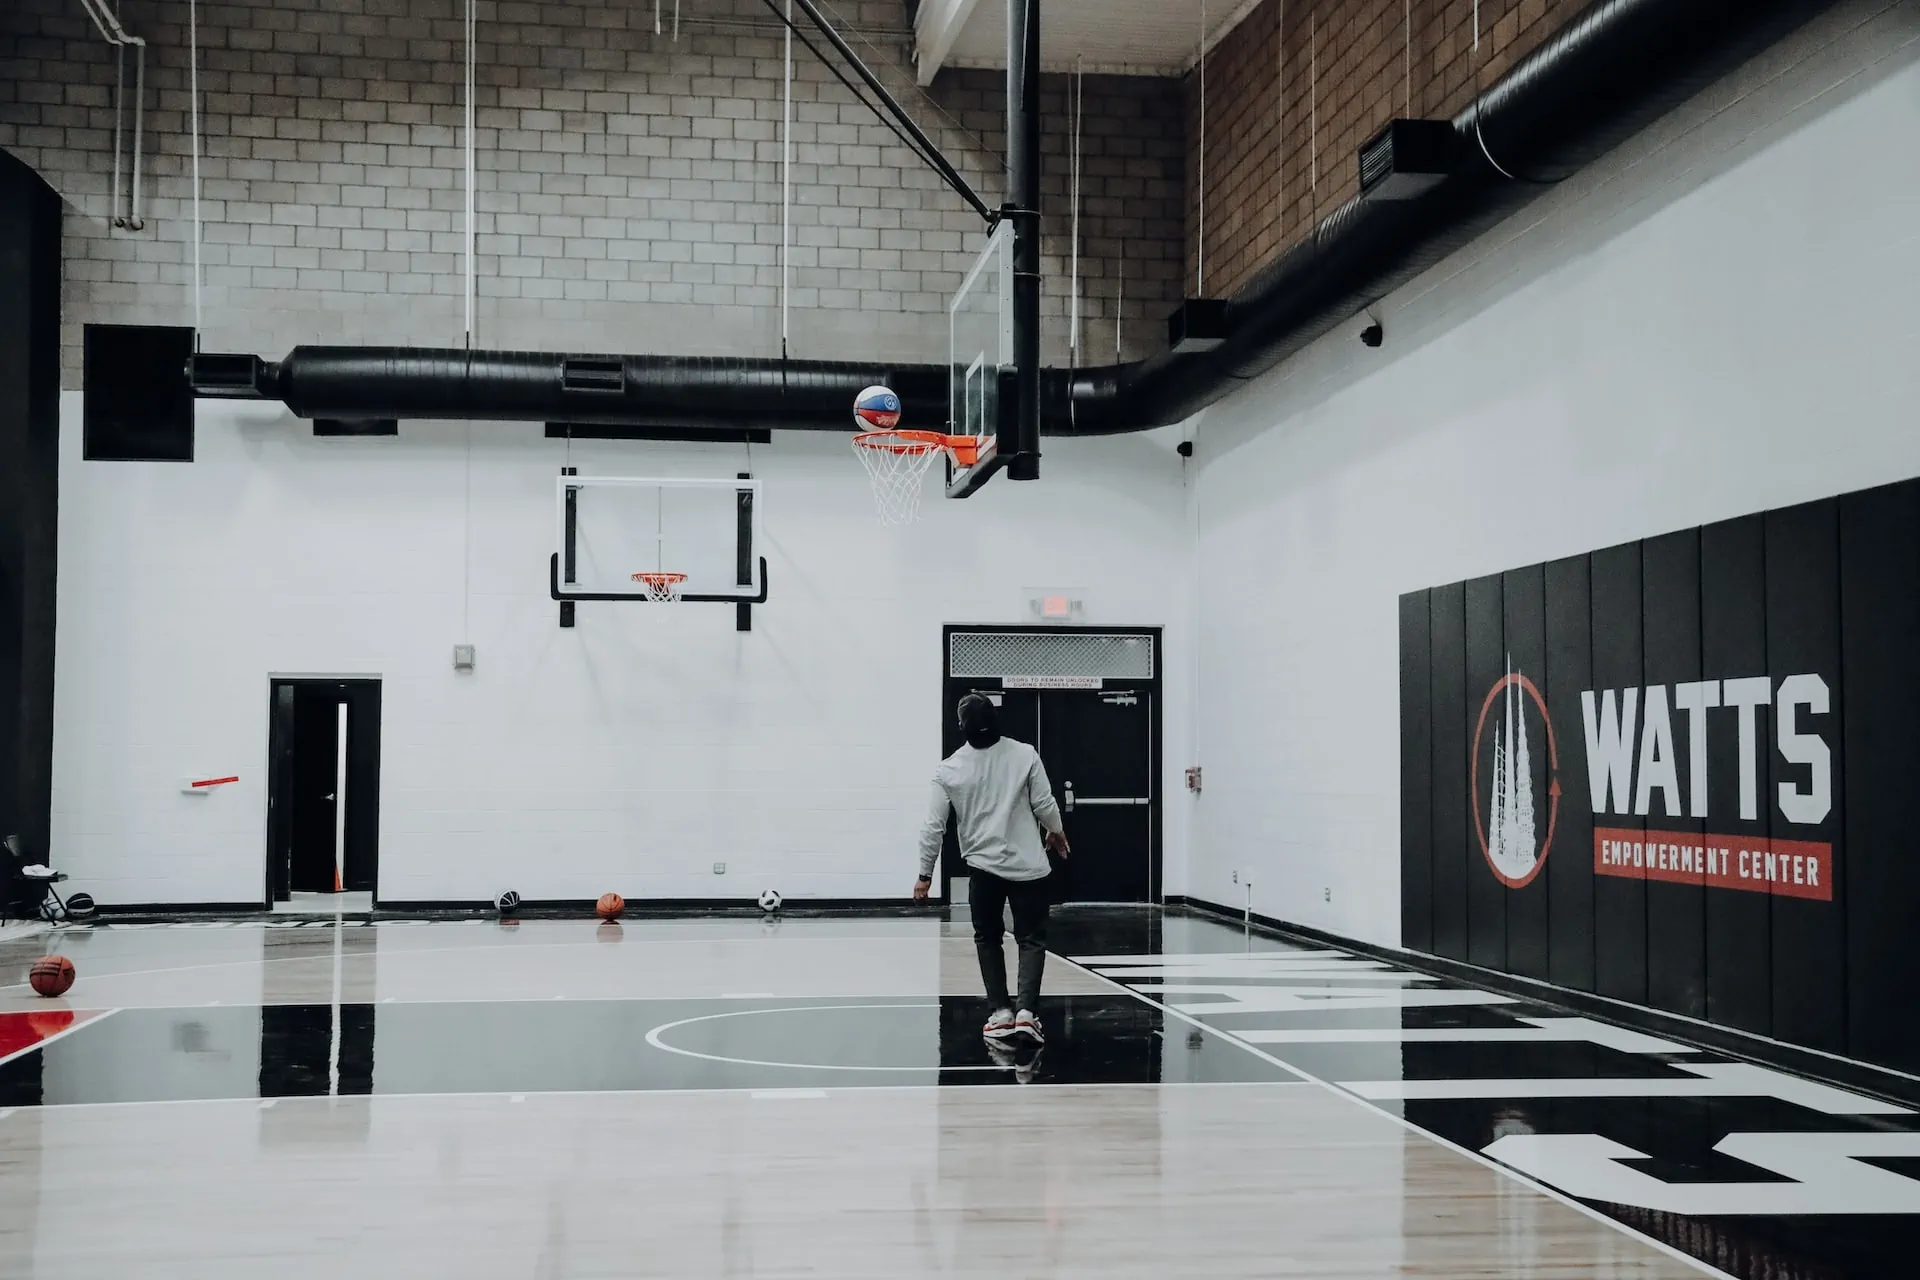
point(935, 28)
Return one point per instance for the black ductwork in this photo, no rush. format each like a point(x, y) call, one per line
point(1614, 68)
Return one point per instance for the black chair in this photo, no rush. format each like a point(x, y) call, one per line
point(25, 895)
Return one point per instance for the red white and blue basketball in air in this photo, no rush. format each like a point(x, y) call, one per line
point(876, 409)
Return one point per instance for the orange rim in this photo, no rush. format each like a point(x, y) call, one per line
point(965, 449)
point(660, 579)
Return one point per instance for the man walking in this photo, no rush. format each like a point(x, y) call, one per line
point(1008, 823)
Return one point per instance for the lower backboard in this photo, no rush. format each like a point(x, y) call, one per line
point(609, 528)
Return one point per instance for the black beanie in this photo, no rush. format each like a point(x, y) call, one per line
point(979, 721)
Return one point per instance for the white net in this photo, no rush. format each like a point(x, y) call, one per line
point(898, 465)
point(662, 588)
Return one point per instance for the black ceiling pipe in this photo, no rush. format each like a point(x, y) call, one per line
point(644, 391)
point(1612, 69)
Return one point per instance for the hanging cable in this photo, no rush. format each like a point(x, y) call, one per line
point(1406, 56)
point(676, 21)
point(119, 93)
point(1313, 99)
point(134, 221)
point(1119, 300)
point(472, 284)
point(1079, 109)
point(786, 194)
point(656, 17)
point(1200, 255)
point(107, 23)
point(193, 88)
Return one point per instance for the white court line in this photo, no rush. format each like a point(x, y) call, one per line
point(832, 1089)
point(1334, 1089)
point(653, 1038)
point(443, 951)
point(100, 1015)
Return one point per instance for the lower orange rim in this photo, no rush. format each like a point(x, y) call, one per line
point(660, 579)
point(965, 449)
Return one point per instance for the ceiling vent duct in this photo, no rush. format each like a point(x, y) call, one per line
point(586, 373)
point(1407, 158)
point(1199, 325)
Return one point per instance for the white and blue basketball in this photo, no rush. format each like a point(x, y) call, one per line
point(876, 409)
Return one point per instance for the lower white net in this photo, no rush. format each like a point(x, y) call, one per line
point(662, 589)
point(898, 471)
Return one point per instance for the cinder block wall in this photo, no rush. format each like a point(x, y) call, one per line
point(628, 183)
point(1299, 85)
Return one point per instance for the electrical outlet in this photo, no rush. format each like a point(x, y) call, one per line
point(1326, 895)
point(1236, 877)
point(719, 868)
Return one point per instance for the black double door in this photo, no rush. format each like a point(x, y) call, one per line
point(323, 806)
point(1098, 748)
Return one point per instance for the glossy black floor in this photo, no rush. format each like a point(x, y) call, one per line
point(616, 1045)
point(1825, 1150)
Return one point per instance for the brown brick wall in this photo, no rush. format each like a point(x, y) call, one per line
point(1299, 85)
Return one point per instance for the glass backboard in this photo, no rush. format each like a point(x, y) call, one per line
point(981, 353)
point(609, 528)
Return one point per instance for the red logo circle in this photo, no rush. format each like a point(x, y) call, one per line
point(1515, 680)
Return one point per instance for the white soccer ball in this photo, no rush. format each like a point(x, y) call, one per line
point(769, 901)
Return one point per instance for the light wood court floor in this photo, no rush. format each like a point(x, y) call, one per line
point(1204, 1181)
point(710, 1099)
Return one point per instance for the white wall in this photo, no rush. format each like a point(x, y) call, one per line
point(1717, 319)
point(629, 753)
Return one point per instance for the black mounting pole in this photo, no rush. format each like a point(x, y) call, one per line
point(1023, 206)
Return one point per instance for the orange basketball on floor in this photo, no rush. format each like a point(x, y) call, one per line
point(51, 975)
point(610, 906)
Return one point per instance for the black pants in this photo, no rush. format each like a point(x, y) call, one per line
point(987, 894)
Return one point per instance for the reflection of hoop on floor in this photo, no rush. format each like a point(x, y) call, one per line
point(654, 1039)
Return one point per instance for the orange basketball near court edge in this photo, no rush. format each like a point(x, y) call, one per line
point(51, 975)
point(610, 906)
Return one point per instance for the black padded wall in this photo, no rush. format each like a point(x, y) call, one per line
point(1447, 685)
point(1486, 664)
point(1619, 901)
point(1569, 669)
point(1524, 595)
point(1676, 908)
point(1733, 639)
point(1416, 774)
point(1803, 636)
point(1879, 638)
point(29, 494)
point(1675, 772)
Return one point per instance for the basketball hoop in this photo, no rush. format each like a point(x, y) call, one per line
point(662, 588)
point(898, 461)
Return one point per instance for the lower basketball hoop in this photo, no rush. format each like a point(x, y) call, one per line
point(662, 588)
point(898, 461)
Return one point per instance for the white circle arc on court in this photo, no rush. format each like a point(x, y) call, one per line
point(653, 1038)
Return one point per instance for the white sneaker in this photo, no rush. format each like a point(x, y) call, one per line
point(999, 1026)
point(1028, 1023)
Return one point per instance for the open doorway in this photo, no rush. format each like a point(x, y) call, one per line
point(323, 793)
point(1087, 699)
